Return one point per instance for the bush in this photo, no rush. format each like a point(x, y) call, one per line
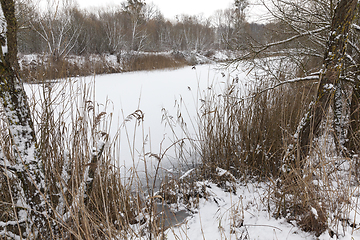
point(47, 68)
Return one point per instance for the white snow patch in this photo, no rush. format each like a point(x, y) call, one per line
point(186, 174)
point(314, 211)
point(245, 215)
point(328, 86)
point(4, 49)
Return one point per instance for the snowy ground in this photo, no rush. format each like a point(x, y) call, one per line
point(244, 215)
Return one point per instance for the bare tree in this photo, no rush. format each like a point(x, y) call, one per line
point(320, 32)
point(113, 22)
point(230, 25)
point(57, 29)
point(136, 10)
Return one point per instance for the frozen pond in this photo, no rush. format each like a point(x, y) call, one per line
point(156, 94)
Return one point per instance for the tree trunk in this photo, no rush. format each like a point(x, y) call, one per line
point(24, 170)
point(8, 8)
point(329, 79)
point(32, 216)
point(353, 145)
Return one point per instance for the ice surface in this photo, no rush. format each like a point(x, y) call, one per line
point(153, 92)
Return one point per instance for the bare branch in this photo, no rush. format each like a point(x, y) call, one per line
point(313, 77)
point(263, 48)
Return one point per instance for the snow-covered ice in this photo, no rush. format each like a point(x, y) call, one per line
point(155, 93)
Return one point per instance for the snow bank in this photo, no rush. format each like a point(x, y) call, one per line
point(244, 215)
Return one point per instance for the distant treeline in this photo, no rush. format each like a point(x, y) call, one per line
point(63, 29)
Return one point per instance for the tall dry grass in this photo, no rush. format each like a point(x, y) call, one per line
point(253, 138)
point(139, 62)
point(248, 136)
point(74, 145)
point(47, 68)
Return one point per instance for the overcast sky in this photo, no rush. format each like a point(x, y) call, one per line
point(171, 8)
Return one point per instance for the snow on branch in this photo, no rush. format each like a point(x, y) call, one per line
point(356, 27)
point(306, 33)
point(312, 77)
point(3, 44)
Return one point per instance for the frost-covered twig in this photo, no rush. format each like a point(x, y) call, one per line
point(273, 44)
point(91, 168)
point(314, 76)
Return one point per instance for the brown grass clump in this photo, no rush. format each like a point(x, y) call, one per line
point(253, 139)
point(47, 67)
point(153, 61)
point(248, 137)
